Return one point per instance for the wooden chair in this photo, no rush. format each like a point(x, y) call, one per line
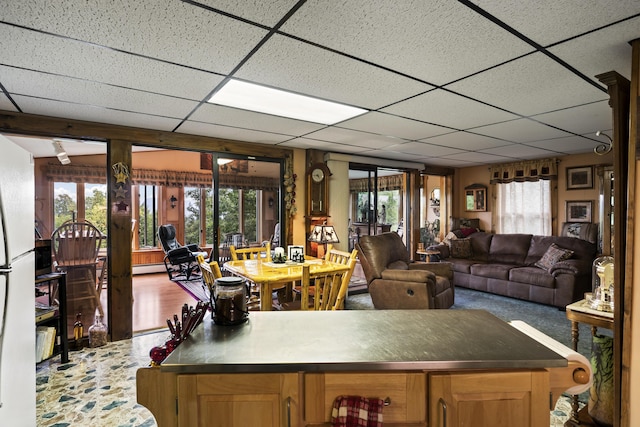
point(258, 252)
point(330, 289)
point(210, 272)
point(340, 257)
point(75, 246)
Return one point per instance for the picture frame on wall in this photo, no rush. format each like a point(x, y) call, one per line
point(475, 198)
point(579, 178)
point(579, 211)
point(295, 253)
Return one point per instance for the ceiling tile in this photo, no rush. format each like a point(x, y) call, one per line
point(31, 50)
point(388, 124)
point(466, 141)
point(568, 145)
point(216, 114)
point(5, 104)
point(522, 130)
point(448, 109)
point(94, 114)
point(601, 51)
point(264, 12)
point(172, 31)
point(582, 119)
point(298, 67)
point(315, 144)
point(519, 151)
point(93, 94)
point(549, 21)
point(528, 86)
point(479, 158)
point(424, 149)
point(436, 41)
point(232, 133)
point(355, 138)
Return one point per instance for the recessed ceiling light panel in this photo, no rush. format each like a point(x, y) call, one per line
point(253, 97)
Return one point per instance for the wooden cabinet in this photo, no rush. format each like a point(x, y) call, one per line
point(489, 399)
point(55, 283)
point(227, 400)
point(404, 395)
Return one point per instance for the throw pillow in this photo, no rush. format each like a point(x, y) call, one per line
point(461, 248)
point(468, 231)
point(553, 255)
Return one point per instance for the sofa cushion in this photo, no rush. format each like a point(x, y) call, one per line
point(510, 248)
point(582, 249)
point(532, 276)
point(461, 248)
point(552, 256)
point(480, 244)
point(462, 265)
point(493, 271)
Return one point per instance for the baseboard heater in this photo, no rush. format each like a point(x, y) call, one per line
point(148, 268)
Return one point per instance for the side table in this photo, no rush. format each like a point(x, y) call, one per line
point(580, 312)
point(427, 253)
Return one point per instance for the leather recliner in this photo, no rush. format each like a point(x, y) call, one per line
point(397, 282)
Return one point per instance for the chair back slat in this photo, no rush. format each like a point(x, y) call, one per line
point(259, 252)
point(330, 288)
point(210, 272)
point(76, 243)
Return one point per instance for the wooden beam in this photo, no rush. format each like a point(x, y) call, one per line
point(30, 124)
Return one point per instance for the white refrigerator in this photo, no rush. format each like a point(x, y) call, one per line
point(17, 294)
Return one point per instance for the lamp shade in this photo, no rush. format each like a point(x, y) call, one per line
point(323, 234)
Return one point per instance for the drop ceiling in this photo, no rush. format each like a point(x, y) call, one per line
point(445, 83)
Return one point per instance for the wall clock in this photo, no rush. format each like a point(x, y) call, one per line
point(318, 189)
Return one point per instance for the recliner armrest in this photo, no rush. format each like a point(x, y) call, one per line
point(443, 269)
point(420, 276)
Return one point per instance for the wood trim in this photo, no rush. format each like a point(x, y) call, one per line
point(624, 171)
point(31, 124)
point(624, 329)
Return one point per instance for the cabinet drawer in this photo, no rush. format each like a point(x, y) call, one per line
point(406, 394)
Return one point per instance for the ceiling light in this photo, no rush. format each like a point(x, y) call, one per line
point(253, 97)
point(224, 161)
point(61, 154)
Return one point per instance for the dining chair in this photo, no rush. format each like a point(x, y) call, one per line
point(258, 252)
point(330, 289)
point(210, 272)
point(75, 246)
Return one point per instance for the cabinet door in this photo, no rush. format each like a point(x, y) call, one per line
point(489, 399)
point(405, 394)
point(237, 400)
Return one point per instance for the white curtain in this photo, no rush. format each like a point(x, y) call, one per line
point(524, 207)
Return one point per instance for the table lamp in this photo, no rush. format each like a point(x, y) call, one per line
point(323, 234)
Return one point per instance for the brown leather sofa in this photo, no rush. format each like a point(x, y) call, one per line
point(504, 264)
point(397, 282)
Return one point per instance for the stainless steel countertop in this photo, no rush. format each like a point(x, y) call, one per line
point(360, 340)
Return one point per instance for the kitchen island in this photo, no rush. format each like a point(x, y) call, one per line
point(286, 369)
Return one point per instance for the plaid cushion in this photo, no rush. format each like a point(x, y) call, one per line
point(553, 255)
point(356, 411)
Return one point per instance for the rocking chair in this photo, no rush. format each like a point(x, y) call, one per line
point(180, 261)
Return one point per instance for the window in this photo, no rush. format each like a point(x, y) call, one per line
point(524, 207)
point(95, 206)
point(65, 202)
point(147, 215)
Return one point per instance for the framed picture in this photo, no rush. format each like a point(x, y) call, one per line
point(579, 211)
point(295, 253)
point(475, 198)
point(580, 178)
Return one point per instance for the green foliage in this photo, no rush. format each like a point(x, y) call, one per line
point(63, 208)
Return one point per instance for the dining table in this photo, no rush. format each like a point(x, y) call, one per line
point(268, 275)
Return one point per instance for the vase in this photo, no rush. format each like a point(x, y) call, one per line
point(601, 400)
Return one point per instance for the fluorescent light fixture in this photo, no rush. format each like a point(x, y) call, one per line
point(253, 97)
point(224, 161)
